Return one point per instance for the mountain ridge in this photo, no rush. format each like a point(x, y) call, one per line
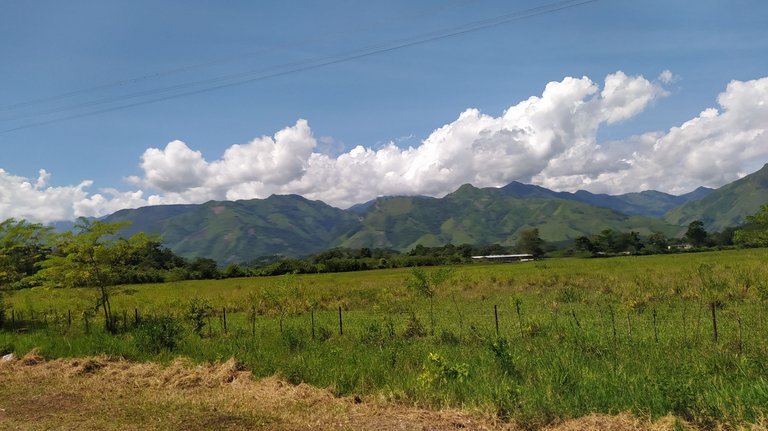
point(291, 225)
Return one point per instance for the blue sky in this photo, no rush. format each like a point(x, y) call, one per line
point(347, 126)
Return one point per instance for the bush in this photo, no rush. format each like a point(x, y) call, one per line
point(294, 338)
point(414, 328)
point(155, 334)
point(197, 311)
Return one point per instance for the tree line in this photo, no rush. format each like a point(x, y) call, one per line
point(93, 253)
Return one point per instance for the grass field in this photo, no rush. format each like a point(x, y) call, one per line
point(575, 336)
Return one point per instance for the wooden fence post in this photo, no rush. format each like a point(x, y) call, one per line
point(69, 318)
point(714, 321)
point(341, 324)
point(613, 321)
point(253, 321)
point(496, 317)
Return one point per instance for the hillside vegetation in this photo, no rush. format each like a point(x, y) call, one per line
point(727, 206)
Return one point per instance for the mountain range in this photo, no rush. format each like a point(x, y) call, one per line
point(290, 225)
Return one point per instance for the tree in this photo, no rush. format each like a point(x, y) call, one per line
point(585, 244)
point(696, 234)
point(629, 241)
point(23, 246)
point(90, 256)
point(755, 232)
point(530, 242)
point(606, 240)
point(426, 284)
point(658, 242)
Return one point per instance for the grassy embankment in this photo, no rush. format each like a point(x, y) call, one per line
point(575, 336)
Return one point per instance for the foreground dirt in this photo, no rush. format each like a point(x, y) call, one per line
point(106, 394)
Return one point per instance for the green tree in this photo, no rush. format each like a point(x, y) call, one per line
point(91, 256)
point(23, 246)
point(426, 284)
point(530, 242)
point(657, 242)
point(755, 232)
point(696, 234)
point(585, 244)
point(281, 298)
point(629, 241)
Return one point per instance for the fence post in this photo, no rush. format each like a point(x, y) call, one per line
point(135, 316)
point(341, 324)
point(253, 321)
point(224, 318)
point(714, 321)
point(69, 318)
point(576, 319)
point(496, 316)
point(613, 321)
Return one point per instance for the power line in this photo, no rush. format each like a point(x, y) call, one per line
point(163, 73)
point(217, 83)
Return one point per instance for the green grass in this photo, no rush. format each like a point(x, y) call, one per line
point(584, 339)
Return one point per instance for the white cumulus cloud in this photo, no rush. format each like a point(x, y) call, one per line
point(36, 201)
point(550, 140)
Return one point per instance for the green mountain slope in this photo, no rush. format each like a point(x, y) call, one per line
point(726, 206)
point(240, 231)
point(483, 216)
point(649, 203)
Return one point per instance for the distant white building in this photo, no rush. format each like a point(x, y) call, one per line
point(505, 258)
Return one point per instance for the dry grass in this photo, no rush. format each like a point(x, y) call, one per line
point(102, 393)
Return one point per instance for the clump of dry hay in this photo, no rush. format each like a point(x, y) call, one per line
point(620, 422)
point(32, 358)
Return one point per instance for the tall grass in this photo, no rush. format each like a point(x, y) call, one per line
point(575, 336)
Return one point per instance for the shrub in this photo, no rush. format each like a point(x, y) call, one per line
point(294, 338)
point(197, 312)
point(155, 334)
point(414, 328)
point(439, 371)
point(504, 357)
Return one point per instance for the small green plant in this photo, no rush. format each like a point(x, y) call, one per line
point(294, 338)
point(426, 285)
point(198, 310)
point(414, 328)
point(439, 371)
point(505, 358)
point(155, 334)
